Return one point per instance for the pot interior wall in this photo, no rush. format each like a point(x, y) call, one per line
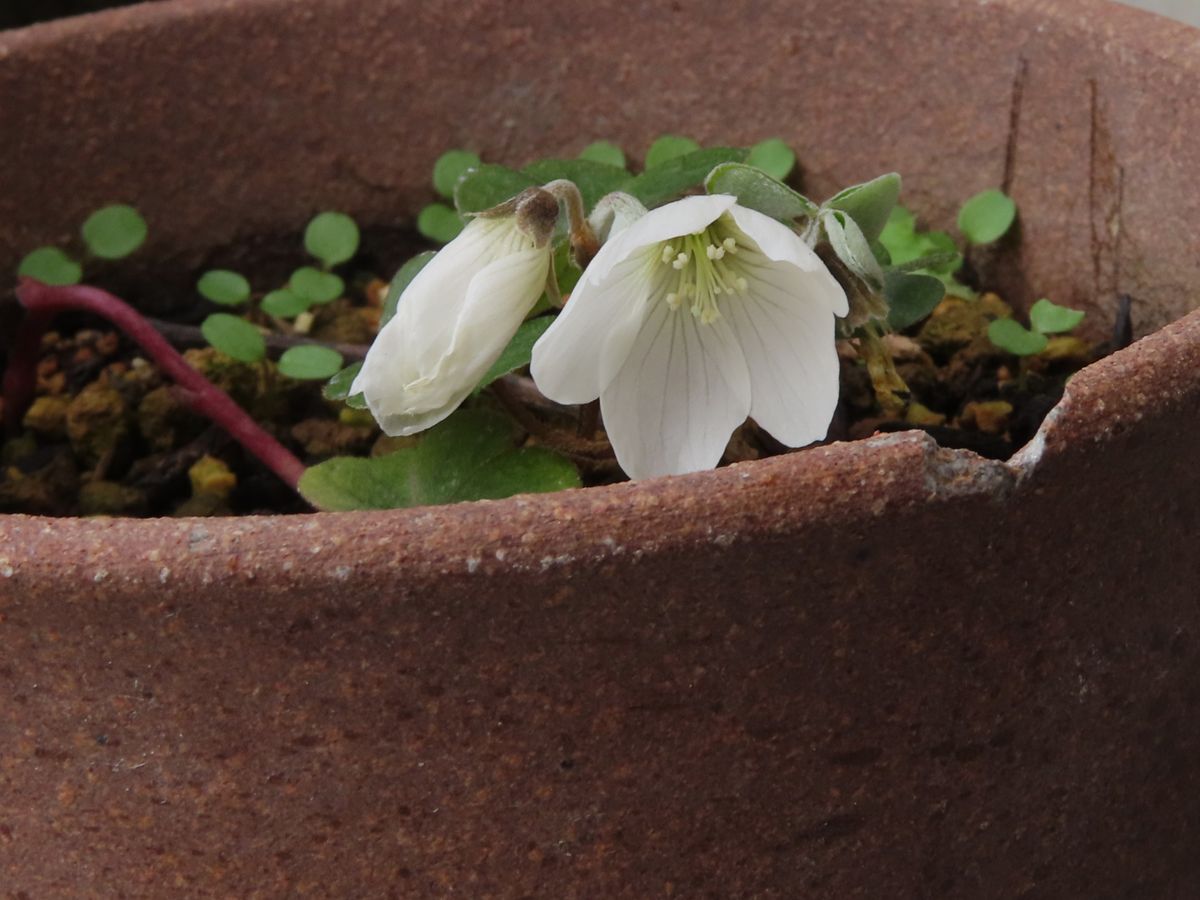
point(224, 121)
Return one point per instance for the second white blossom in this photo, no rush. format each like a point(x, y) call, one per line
point(699, 314)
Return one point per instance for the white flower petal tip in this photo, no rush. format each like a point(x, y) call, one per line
point(697, 315)
point(452, 322)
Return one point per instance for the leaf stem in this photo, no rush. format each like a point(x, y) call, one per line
point(43, 302)
point(584, 244)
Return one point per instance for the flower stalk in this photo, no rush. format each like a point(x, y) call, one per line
point(43, 302)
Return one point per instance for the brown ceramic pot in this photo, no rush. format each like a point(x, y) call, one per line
point(876, 669)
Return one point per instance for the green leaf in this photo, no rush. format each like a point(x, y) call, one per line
point(338, 387)
point(234, 337)
point(869, 204)
point(772, 156)
point(1050, 318)
point(400, 281)
point(669, 179)
point(667, 148)
point(450, 167)
point(604, 152)
point(565, 272)
point(594, 179)
point(852, 248)
point(519, 351)
point(987, 216)
point(310, 362)
point(440, 223)
point(316, 286)
point(488, 185)
point(1010, 335)
point(284, 304)
point(50, 265)
point(332, 237)
point(114, 232)
point(758, 190)
point(933, 252)
point(470, 456)
point(910, 297)
point(224, 287)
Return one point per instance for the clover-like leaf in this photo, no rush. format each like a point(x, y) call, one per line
point(910, 297)
point(52, 266)
point(450, 167)
point(338, 387)
point(310, 362)
point(224, 287)
point(772, 156)
point(1050, 318)
point(470, 456)
point(756, 189)
point(284, 304)
point(234, 337)
point(114, 231)
point(519, 351)
point(987, 216)
point(400, 281)
point(488, 185)
point(851, 247)
point(604, 152)
point(869, 204)
point(316, 286)
point(594, 179)
point(1011, 335)
point(667, 148)
point(668, 179)
point(332, 237)
point(440, 223)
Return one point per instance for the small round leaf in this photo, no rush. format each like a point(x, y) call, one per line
point(332, 237)
point(284, 304)
point(667, 148)
point(234, 337)
point(440, 223)
point(50, 265)
point(772, 156)
point(316, 286)
point(604, 152)
point(114, 232)
point(1011, 335)
point(987, 216)
point(224, 287)
point(449, 167)
point(1050, 318)
point(309, 362)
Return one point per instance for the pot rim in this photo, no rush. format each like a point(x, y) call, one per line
point(1098, 398)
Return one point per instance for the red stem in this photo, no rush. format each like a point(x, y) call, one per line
point(43, 302)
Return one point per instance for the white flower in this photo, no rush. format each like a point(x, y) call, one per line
point(457, 316)
point(700, 313)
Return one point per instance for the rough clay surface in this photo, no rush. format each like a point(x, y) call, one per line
point(872, 669)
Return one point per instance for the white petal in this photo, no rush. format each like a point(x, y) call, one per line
point(421, 367)
point(781, 244)
point(686, 216)
point(788, 340)
point(676, 397)
point(598, 319)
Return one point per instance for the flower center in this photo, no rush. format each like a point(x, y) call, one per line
point(703, 268)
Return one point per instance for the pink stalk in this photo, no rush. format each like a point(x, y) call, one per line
point(43, 302)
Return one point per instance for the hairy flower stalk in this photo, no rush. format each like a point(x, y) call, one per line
point(692, 318)
point(457, 316)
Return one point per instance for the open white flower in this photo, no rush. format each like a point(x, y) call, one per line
point(700, 313)
point(457, 316)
